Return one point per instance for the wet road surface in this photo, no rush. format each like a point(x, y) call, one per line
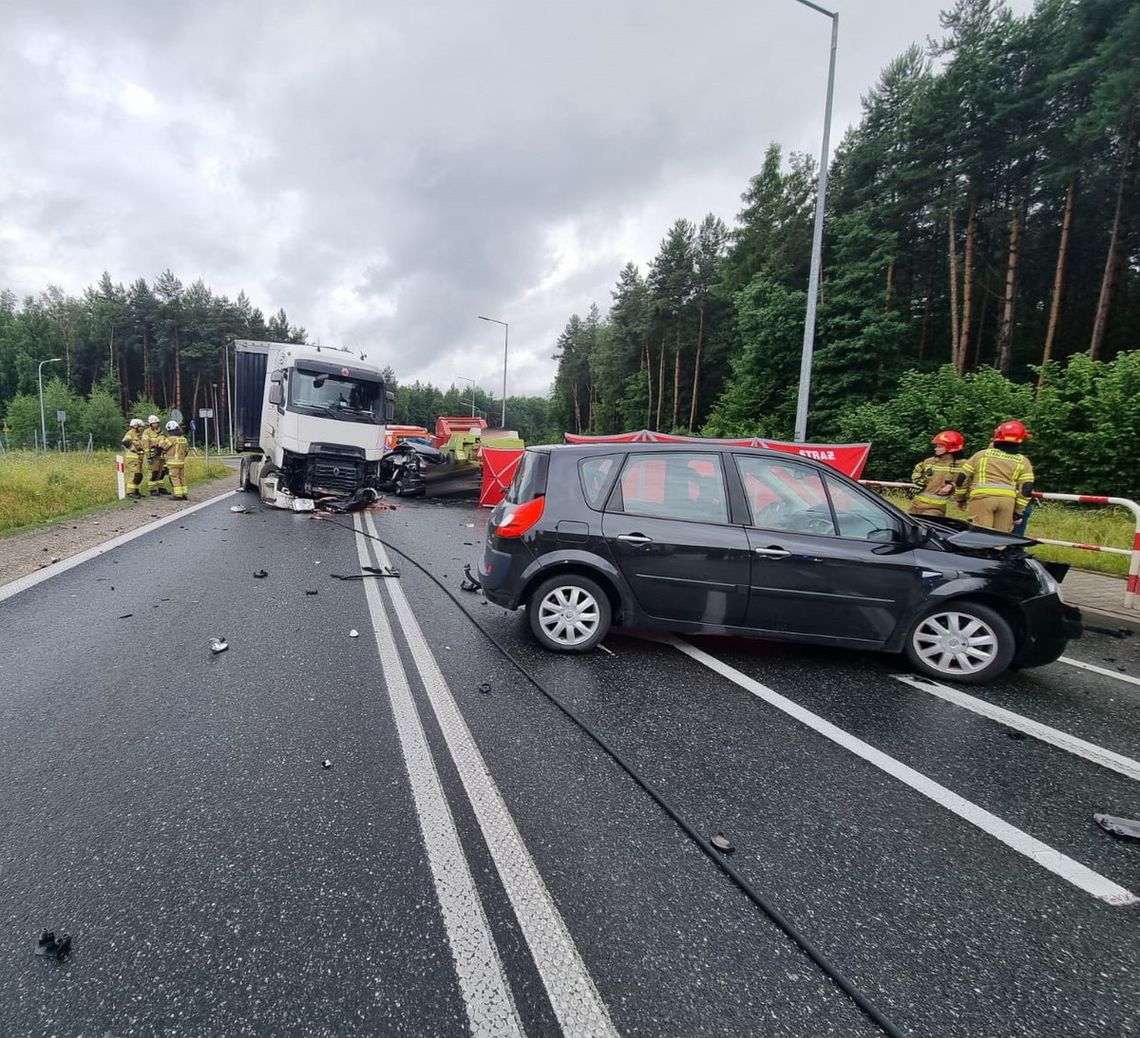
point(473, 862)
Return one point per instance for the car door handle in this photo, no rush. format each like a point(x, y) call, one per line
point(773, 553)
point(635, 538)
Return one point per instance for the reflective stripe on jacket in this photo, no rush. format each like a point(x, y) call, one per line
point(996, 473)
point(932, 474)
point(177, 448)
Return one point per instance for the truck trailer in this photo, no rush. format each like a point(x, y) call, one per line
point(311, 424)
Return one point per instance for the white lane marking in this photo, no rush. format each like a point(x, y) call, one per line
point(30, 581)
point(573, 995)
point(1070, 743)
point(1098, 670)
point(1047, 857)
point(486, 992)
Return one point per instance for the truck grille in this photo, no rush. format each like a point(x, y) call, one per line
point(334, 475)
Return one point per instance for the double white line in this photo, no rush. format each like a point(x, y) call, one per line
point(491, 1008)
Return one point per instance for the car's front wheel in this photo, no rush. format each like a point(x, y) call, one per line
point(569, 613)
point(960, 641)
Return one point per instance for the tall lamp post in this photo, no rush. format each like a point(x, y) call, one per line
point(472, 381)
point(506, 339)
point(817, 237)
point(40, 380)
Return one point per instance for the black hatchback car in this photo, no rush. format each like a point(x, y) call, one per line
point(716, 539)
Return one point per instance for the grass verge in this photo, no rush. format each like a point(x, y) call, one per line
point(35, 490)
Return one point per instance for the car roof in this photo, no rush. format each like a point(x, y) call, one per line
point(627, 447)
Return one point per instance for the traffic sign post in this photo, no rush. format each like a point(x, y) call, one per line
point(206, 413)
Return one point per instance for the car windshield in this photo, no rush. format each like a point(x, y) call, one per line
point(336, 395)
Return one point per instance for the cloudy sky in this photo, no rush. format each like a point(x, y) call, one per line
point(387, 171)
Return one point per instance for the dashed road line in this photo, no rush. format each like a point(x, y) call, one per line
point(1054, 736)
point(1047, 857)
point(574, 997)
point(487, 997)
point(1081, 665)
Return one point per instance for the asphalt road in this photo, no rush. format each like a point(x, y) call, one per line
point(473, 862)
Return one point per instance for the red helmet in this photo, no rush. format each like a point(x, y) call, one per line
point(1011, 432)
point(951, 440)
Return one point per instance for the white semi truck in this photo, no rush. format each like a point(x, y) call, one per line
point(311, 424)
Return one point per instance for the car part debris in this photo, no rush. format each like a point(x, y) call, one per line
point(1119, 826)
point(218, 645)
point(371, 571)
point(53, 946)
point(1016, 735)
point(326, 764)
point(308, 592)
point(485, 688)
point(125, 616)
point(354, 633)
point(241, 509)
point(722, 843)
point(469, 581)
point(260, 573)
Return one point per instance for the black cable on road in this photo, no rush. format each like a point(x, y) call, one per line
point(864, 1004)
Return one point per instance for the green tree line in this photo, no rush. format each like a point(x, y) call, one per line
point(980, 221)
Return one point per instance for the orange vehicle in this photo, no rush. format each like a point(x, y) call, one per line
point(396, 434)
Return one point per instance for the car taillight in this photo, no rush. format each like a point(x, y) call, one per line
point(517, 519)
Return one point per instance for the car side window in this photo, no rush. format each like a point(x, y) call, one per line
point(594, 475)
point(675, 486)
point(861, 518)
point(784, 495)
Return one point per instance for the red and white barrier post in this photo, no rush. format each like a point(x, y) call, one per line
point(120, 478)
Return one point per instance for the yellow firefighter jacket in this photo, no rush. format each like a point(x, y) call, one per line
point(176, 448)
point(931, 475)
point(133, 441)
point(996, 473)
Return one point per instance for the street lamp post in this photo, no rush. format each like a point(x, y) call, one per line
point(506, 339)
point(40, 380)
point(472, 381)
point(817, 237)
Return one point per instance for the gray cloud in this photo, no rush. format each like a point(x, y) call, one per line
point(385, 172)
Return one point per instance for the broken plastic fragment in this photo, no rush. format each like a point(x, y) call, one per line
point(354, 633)
point(307, 592)
point(485, 688)
point(260, 573)
point(52, 946)
point(326, 764)
point(722, 843)
point(1119, 826)
point(126, 616)
point(218, 645)
point(469, 582)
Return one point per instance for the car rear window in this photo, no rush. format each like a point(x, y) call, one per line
point(530, 478)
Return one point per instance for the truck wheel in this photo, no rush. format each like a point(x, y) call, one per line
point(960, 641)
point(243, 480)
point(568, 613)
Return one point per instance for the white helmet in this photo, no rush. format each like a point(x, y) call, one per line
point(153, 419)
point(172, 426)
point(136, 422)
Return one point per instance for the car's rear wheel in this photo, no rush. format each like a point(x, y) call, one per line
point(960, 641)
point(569, 613)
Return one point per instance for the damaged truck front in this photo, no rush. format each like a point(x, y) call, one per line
point(311, 424)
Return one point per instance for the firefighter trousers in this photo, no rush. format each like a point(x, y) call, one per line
point(992, 511)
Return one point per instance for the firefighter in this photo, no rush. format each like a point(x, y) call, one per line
point(934, 478)
point(135, 452)
point(175, 449)
point(153, 439)
point(996, 484)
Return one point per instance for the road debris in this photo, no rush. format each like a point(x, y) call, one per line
point(1119, 826)
point(485, 688)
point(722, 843)
point(260, 574)
point(218, 645)
point(241, 509)
point(326, 764)
point(125, 616)
point(354, 633)
point(469, 581)
point(52, 946)
point(313, 592)
point(369, 571)
point(1015, 735)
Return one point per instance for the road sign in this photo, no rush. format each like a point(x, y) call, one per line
point(205, 412)
point(61, 416)
point(176, 416)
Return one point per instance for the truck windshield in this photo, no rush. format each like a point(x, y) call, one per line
point(345, 397)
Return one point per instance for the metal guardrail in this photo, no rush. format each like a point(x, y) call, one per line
point(1132, 586)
